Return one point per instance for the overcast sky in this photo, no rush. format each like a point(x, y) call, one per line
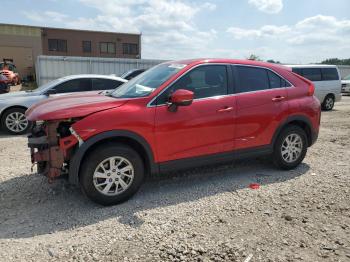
point(291, 31)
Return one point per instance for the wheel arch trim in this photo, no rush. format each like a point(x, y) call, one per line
point(76, 160)
point(300, 118)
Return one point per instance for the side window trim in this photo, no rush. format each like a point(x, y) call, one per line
point(154, 100)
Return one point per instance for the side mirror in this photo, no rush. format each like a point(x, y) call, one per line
point(50, 92)
point(180, 97)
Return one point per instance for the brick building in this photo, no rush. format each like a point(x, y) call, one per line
point(22, 44)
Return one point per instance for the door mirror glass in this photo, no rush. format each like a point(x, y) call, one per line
point(180, 97)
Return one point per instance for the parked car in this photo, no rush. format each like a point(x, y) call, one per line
point(345, 85)
point(174, 116)
point(4, 86)
point(132, 73)
point(13, 105)
point(9, 70)
point(326, 79)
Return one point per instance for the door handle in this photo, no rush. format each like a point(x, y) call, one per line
point(278, 98)
point(225, 109)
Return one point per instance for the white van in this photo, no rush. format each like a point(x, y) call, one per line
point(326, 79)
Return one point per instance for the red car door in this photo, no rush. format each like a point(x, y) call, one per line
point(261, 104)
point(202, 128)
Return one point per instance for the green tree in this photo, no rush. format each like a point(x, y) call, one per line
point(273, 61)
point(254, 57)
point(336, 61)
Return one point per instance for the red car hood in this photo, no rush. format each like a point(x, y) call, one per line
point(70, 106)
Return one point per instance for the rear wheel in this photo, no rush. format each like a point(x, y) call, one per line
point(111, 174)
point(328, 103)
point(290, 147)
point(14, 121)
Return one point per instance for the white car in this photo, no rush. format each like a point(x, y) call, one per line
point(13, 105)
point(326, 79)
point(345, 85)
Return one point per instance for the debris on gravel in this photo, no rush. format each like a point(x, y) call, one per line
point(204, 214)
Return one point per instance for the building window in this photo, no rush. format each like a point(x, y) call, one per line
point(108, 48)
point(130, 49)
point(59, 45)
point(87, 46)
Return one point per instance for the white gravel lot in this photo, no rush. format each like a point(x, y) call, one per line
point(207, 214)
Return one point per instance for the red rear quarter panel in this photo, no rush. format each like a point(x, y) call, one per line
point(300, 103)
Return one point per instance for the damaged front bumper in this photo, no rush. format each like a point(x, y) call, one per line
point(51, 146)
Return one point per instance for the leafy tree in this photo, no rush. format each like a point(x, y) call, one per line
point(254, 57)
point(273, 61)
point(336, 61)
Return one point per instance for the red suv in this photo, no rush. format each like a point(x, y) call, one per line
point(176, 115)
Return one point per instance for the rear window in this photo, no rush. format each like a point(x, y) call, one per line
point(318, 74)
point(329, 74)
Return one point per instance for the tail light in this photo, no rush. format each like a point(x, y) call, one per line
point(311, 86)
point(311, 89)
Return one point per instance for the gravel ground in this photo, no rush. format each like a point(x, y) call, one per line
point(207, 214)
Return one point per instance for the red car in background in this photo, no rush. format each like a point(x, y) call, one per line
point(4, 84)
point(9, 70)
point(176, 115)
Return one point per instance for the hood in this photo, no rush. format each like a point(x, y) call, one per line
point(16, 94)
point(345, 82)
point(71, 106)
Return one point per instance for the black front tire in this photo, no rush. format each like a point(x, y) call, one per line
point(101, 153)
point(278, 159)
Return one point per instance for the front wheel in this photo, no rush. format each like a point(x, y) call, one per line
point(14, 121)
point(328, 103)
point(290, 148)
point(111, 174)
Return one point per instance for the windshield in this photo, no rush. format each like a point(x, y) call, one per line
point(347, 78)
point(144, 84)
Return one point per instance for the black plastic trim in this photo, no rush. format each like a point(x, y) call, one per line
point(207, 160)
point(300, 118)
point(185, 163)
point(78, 155)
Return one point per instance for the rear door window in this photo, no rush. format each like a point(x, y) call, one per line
point(329, 74)
point(252, 79)
point(75, 85)
point(105, 84)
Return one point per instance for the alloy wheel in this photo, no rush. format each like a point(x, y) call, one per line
point(113, 176)
point(291, 148)
point(329, 103)
point(16, 122)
